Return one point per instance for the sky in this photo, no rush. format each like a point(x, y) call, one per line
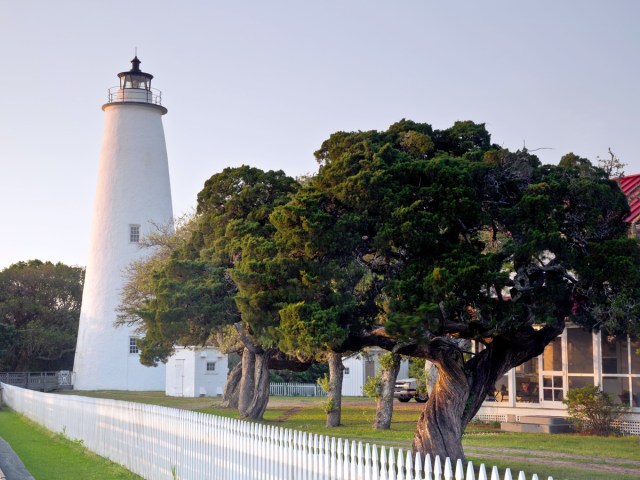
point(264, 83)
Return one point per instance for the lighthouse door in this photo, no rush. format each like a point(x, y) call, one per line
point(179, 385)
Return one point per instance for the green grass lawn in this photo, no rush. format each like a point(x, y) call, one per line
point(50, 456)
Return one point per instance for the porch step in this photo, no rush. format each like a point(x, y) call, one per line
point(536, 424)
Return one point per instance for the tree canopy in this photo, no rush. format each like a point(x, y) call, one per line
point(412, 239)
point(416, 238)
point(39, 315)
point(185, 293)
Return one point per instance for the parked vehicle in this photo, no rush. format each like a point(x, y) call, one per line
point(408, 388)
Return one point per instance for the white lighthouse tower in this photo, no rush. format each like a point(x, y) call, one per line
point(132, 194)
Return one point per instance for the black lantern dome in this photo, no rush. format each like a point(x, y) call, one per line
point(135, 78)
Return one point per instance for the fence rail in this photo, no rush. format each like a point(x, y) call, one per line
point(296, 390)
point(43, 381)
point(164, 443)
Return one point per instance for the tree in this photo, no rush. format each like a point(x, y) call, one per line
point(389, 368)
point(417, 249)
point(612, 166)
point(39, 315)
point(328, 290)
point(193, 290)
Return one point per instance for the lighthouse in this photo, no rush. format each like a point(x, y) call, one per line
point(133, 194)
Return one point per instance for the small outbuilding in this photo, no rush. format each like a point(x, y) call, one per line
point(196, 372)
point(359, 367)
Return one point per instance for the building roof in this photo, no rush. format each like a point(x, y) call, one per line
point(630, 185)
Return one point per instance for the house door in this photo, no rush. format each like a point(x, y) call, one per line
point(179, 385)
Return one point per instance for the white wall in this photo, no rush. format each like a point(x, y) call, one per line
point(353, 379)
point(187, 375)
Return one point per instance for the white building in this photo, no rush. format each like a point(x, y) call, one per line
point(574, 359)
point(196, 372)
point(363, 365)
point(132, 194)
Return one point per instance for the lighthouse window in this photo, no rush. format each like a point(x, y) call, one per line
point(211, 366)
point(133, 345)
point(134, 233)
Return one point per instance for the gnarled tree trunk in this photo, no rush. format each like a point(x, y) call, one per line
point(254, 383)
point(255, 410)
point(462, 386)
point(439, 429)
point(336, 372)
point(247, 383)
point(231, 394)
point(384, 407)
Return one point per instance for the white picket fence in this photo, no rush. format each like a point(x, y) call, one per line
point(296, 390)
point(167, 443)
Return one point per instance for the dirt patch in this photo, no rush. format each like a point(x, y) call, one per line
point(288, 414)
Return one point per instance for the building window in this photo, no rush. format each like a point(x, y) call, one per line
point(211, 366)
point(134, 233)
point(346, 370)
point(133, 345)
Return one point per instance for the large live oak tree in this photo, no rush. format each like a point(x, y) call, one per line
point(39, 314)
point(416, 238)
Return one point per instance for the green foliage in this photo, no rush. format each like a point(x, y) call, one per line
point(39, 315)
point(329, 406)
point(324, 382)
point(212, 272)
point(416, 368)
point(591, 410)
point(386, 361)
point(372, 387)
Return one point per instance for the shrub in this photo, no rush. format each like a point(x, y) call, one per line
point(592, 411)
point(372, 387)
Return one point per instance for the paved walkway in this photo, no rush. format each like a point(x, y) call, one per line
point(11, 467)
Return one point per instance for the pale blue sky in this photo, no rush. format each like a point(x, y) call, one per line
point(265, 82)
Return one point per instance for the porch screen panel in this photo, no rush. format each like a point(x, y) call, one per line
point(615, 356)
point(635, 358)
point(580, 350)
point(617, 388)
point(501, 389)
point(619, 366)
point(552, 356)
point(579, 382)
point(635, 374)
point(527, 386)
point(635, 392)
